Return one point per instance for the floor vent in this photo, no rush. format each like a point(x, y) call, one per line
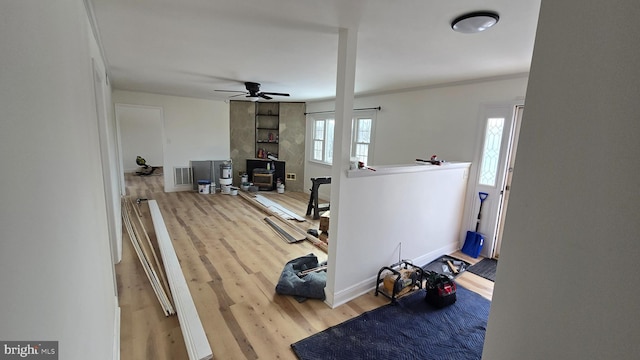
point(182, 176)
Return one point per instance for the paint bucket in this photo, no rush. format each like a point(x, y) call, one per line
point(224, 181)
point(244, 179)
point(225, 189)
point(233, 191)
point(225, 171)
point(204, 186)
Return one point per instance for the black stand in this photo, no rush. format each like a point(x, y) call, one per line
point(313, 198)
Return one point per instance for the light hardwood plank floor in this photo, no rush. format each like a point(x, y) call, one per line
point(232, 260)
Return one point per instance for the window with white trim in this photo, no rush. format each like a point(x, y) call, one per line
point(362, 126)
point(323, 139)
point(361, 137)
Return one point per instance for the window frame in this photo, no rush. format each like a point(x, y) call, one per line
point(325, 117)
point(362, 115)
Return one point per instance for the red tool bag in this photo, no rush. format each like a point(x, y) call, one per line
point(441, 291)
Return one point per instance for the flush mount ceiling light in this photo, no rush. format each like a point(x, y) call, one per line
point(475, 22)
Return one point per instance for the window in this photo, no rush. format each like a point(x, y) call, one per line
point(323, 139)
point(361, 138)
point(361, 135)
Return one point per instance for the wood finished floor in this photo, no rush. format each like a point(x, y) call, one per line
point(231, 260)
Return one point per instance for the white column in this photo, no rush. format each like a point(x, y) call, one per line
point(345, 80)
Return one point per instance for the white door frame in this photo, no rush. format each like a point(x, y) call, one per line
point(511, 158)
point(107, 153)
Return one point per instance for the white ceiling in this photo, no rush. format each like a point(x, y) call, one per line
point(192, 47)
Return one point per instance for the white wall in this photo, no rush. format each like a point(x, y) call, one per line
point(56, 273)
point(421, 210)
point(440, 120)
point(567, 285)
point(194, 129)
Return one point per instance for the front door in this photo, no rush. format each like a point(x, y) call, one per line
point(491, 175)
point(511, 159)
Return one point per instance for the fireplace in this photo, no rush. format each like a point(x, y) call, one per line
point(263, 179)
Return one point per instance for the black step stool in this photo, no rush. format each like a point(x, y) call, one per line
point(313, 198)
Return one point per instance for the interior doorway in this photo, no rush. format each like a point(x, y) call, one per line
point(141, 133)
point(495, 158)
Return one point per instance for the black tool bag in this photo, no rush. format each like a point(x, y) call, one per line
point(441, 290)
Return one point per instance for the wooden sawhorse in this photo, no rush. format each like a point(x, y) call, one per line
point(313, 198)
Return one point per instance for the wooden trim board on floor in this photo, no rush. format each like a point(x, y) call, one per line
point(280, 229)
point(268, 210)
point(143, 256)
point(195, 338)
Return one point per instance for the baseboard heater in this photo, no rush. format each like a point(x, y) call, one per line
point(195, 338)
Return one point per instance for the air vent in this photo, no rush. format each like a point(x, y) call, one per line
point(182, 176)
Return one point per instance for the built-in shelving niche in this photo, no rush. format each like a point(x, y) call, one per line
point(267, 129)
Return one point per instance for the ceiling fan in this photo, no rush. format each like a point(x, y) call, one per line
point(253, 91)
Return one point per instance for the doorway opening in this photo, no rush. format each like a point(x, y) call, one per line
point(141, 134)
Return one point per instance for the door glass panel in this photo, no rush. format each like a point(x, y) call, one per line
point(491, 151)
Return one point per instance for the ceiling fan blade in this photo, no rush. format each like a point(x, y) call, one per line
point(264, 96)
point(237, 91)
point(236, 95)
point(274, 93)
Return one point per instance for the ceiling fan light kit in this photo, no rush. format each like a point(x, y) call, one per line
point(475, 22)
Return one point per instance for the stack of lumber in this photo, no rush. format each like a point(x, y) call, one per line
point(195, 338)
point(269, 208)
point(145, 250)
point(278, 209)
point(285, 230)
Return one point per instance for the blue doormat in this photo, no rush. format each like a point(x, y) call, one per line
point(411, 329)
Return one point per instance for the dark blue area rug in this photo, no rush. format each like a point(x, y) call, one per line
point(411, 329)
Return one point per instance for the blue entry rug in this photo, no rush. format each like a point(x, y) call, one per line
point(411, 329)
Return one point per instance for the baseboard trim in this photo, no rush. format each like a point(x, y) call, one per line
point(369, 284)
point(432, 255)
